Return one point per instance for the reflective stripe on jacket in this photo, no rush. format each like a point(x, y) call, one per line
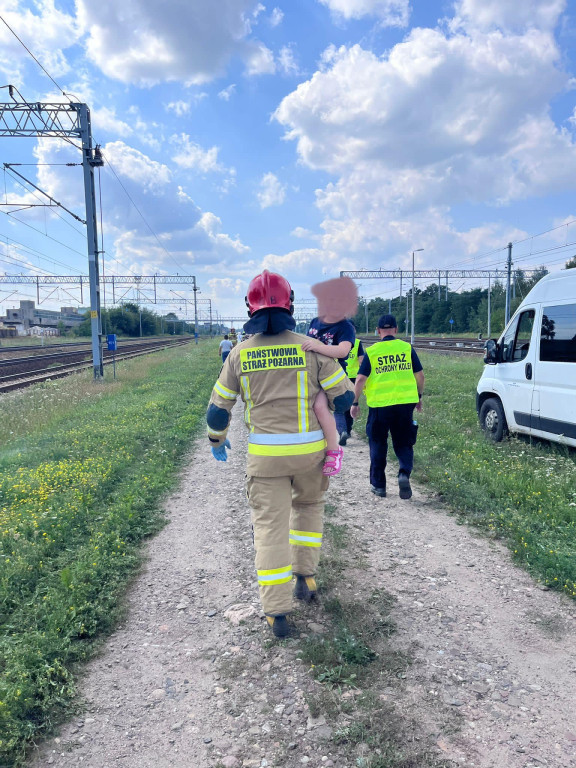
point(352, 364)
point(278, 382)
point(391, 380)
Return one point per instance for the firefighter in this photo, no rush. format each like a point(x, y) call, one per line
point(278, 381)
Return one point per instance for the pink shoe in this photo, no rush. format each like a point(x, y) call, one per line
point(333, 462)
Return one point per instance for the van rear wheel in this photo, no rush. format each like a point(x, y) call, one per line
point(492, 419)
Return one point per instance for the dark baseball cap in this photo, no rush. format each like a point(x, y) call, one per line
point(387, 321)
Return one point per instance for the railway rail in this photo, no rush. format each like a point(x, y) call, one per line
point(456, 345)
point(38, 350)
point(18, 379)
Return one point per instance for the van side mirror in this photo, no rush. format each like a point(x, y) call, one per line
point(491, 353)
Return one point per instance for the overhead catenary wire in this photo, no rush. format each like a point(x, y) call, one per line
point(23, 44)
point(35, 252)
point(107, 159)
point(52, 208)
point(110, 271)
point(167, 252)
point(11, 216)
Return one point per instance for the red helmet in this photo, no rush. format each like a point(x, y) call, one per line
point(269, 291)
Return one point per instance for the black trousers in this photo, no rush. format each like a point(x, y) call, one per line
point(398, 421)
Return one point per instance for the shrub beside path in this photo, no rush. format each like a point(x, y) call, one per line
point(492, 683)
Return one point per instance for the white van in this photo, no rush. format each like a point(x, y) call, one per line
point(529, 380)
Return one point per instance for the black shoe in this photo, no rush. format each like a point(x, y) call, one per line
point(305, 588)
point(404, 485)
point(343, 438)
point(279, 624)
point(378, 491)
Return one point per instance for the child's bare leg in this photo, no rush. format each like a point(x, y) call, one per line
point(326, 419)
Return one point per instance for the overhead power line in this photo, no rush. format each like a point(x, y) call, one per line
point(128, 195)
point(42, 67)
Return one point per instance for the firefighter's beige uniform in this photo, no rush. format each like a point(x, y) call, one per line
point(278, 382)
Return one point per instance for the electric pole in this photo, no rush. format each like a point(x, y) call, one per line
point(412, 324)
point(67, 121)
point(195, 289)
point(508, 280)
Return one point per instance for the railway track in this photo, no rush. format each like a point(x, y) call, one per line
point(455, 346)
point(18, 379)
point(38, 350)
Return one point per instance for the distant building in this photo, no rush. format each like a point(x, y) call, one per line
point(7, 333)
point(28, 315)
point(35, 330)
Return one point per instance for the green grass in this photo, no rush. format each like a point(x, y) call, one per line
point(81, 479)
point(519, 491)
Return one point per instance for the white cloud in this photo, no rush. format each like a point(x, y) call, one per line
point(287, 62)
point(192, 157)
point(226, 93)
point(147, 200)
point(306, 265)
point(440, 120)
point(136, 166)
point(146, 42)
point(508, 14)
point(260, 61)
point(212, 226)
point(272, 192)
point(105, 119)
point(276, 17)
point(180, 108)
point(45, 29)
point(394, 13)
point(227, 288)
point(304, 233)
point(260, 8)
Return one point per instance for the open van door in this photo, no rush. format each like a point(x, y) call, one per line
point(516, 369)
point(554, 404)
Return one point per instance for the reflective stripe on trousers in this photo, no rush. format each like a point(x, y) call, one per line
point(275, 575)
point(305, 538)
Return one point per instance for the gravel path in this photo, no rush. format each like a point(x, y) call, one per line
point(181, 685)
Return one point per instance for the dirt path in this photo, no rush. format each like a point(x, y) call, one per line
point(180, 685)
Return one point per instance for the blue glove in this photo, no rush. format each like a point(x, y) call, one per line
point(219, 453)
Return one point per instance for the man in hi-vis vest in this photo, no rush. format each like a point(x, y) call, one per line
point(278, 381)
point(392, 375)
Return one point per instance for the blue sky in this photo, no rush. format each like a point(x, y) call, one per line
point(305, 136)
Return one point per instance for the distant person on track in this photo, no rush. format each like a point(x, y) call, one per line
point(333, 335)
point(225, 348)
point(394, 380)
point(278, 382)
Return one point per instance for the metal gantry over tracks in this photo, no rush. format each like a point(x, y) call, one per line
point(67, 121)
point(72, 121)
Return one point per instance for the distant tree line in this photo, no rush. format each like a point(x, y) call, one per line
point(433, 309)
point(133, 320)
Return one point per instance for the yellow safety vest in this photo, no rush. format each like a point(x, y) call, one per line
point(391, 380)
point(352, 365)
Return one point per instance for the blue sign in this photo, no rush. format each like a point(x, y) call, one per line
point(112, 343)
point(451, 321)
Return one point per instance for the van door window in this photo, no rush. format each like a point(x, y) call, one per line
point(516, 342)
point(558, 334)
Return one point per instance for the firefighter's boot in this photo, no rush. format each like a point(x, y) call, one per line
point(279, 624)
point(305, 588)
